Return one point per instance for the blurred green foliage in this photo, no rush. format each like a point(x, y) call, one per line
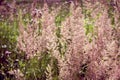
point(88, 24)
point(111, 12)
point(36, 68)
point(61, 16)
point(8, 34)
point(8, 50)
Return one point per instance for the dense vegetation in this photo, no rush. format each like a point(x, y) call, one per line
point(60, 40)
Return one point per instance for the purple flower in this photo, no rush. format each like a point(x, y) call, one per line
point(7, 52)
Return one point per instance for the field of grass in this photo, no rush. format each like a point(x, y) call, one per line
point(69, 40)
